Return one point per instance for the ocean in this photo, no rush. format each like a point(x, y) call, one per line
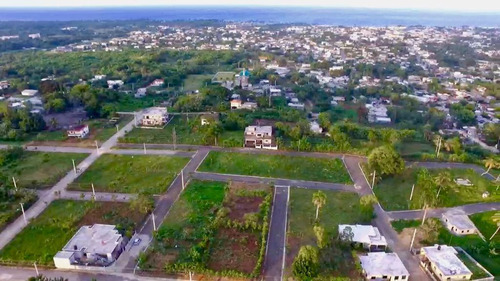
point(318, 16)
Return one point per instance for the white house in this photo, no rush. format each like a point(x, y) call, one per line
point(29, 93)
point(458, 222)
point(93, 245)
point(260, 137)
point(115, 83)
point(154, 116)
point(366, 235)
point(383, 266)
point(79, 131)
point(443, 263)
point(141, 92)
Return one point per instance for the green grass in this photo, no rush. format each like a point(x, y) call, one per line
point(394, 192)
point(340, 208)
point(40, 169)
point(486, 225)
point(477, 272)
point(105, 130)
point(48, 233)
point(10, 207)
point(400, 225)
point(414, 150)
point(131, 173)
point(277, 166)
point(184, 134)
point(196, 81)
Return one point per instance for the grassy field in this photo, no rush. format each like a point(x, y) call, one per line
point(48, 233)
point(414, 150)
point(131, 173)
point(433, 232)
point(224, 226)
point(340, 208)
point(400, 225)
point(184, 134)
point(277, 166)
point(194, 82)
point(486, 225)
point(40, 169)
point(10, 207)
point(394, 192)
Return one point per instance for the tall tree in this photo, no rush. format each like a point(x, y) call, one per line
point(306, 264)
point(386, 161)
point(490, 163)
point(442, 181)
point(319, 199)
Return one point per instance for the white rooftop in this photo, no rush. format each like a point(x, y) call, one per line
point(97, 238)
point(445, 258)
point(367, 234)
point(259, 130)
point(155, 111)
point(383, 264)
point(459, 219)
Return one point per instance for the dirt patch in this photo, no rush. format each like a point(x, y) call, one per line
point(67, 119)
point(234, 250)
point(241, 205)
point(293, 246)
point(111, 213)
point(406, 235)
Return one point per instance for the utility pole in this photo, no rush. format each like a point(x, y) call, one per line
point(145, 151)
point(15, 183)
point(24, 215)
point(174, 137)
point(36, 269)
point(373, 179)
point(117, 128)
point(425, 214)
point(97, 146)
point(182, 179)
point(411, 194)
point(93, 190)
point(153, 219)
point(413, 238)
point(191, 276)
point(439, 146)
point(74, 166)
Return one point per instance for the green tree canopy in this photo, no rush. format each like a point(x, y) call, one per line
point(385, 160)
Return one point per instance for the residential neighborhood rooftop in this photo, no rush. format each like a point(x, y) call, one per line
point(383, 264)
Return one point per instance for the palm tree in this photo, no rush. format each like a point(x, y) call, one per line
point(319, 199)
point(442, 180)
point(496, 218)
point(490, 163)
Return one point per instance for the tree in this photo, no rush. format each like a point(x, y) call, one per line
point(386, 161)
point(143, 203)
point(346, 235)
point(306, 264)
point(496, 218)
point(324, 120)
point(318, 199)
point(319, 231)
point(443, 181)
point(453, 145)
point(490, 163)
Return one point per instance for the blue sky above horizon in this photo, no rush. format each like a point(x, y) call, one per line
point(429, 5)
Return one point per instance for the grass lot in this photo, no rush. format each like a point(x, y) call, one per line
point(394, 192)
point(486, 225)
point(10, 207)
point(196, 81)
point(48, 233)
point(277, 166)
point(414, 150)
point(183, 132)
point(207, 229)
point(40, 169)
point(131, 173)
point(477, 272)
point(433, 232)
point(400, 225)
point(340, 208)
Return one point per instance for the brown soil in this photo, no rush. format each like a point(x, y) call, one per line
point(406, 235)
point(241, 205)
point(100, 214)
point(293, 246)
point(234, 250)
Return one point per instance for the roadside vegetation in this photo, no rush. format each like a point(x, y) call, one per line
point(151, 174)
point(277, 166)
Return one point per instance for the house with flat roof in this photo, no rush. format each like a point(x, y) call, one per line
point(443, 264)
point(383, 266)
point(458, 222)
point(92, 245)
point(79, 131)
point(367, 236)
point(154, 116)
point(260, 137)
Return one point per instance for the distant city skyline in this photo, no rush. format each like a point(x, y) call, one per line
point(429, 5)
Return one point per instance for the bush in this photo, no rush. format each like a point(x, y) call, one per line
point(306, 264)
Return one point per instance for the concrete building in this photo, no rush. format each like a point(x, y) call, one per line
point(154, 116)
point(260, 137)
point(443, 264)
point(92, 245)
point(383, 266)
point(79, 131)
point(367, 236)
point(29, 93)
point(458, 222)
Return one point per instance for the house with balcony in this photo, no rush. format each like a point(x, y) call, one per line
point(261, 137)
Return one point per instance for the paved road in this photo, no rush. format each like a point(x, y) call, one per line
point(11, 230)
point(276, 242)
point(127, 260)
point(22, 274)
point(273, 181)
point(382, 221)
point(436, 213)
point(61, 149)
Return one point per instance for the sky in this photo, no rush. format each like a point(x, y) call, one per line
point(431, 5)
